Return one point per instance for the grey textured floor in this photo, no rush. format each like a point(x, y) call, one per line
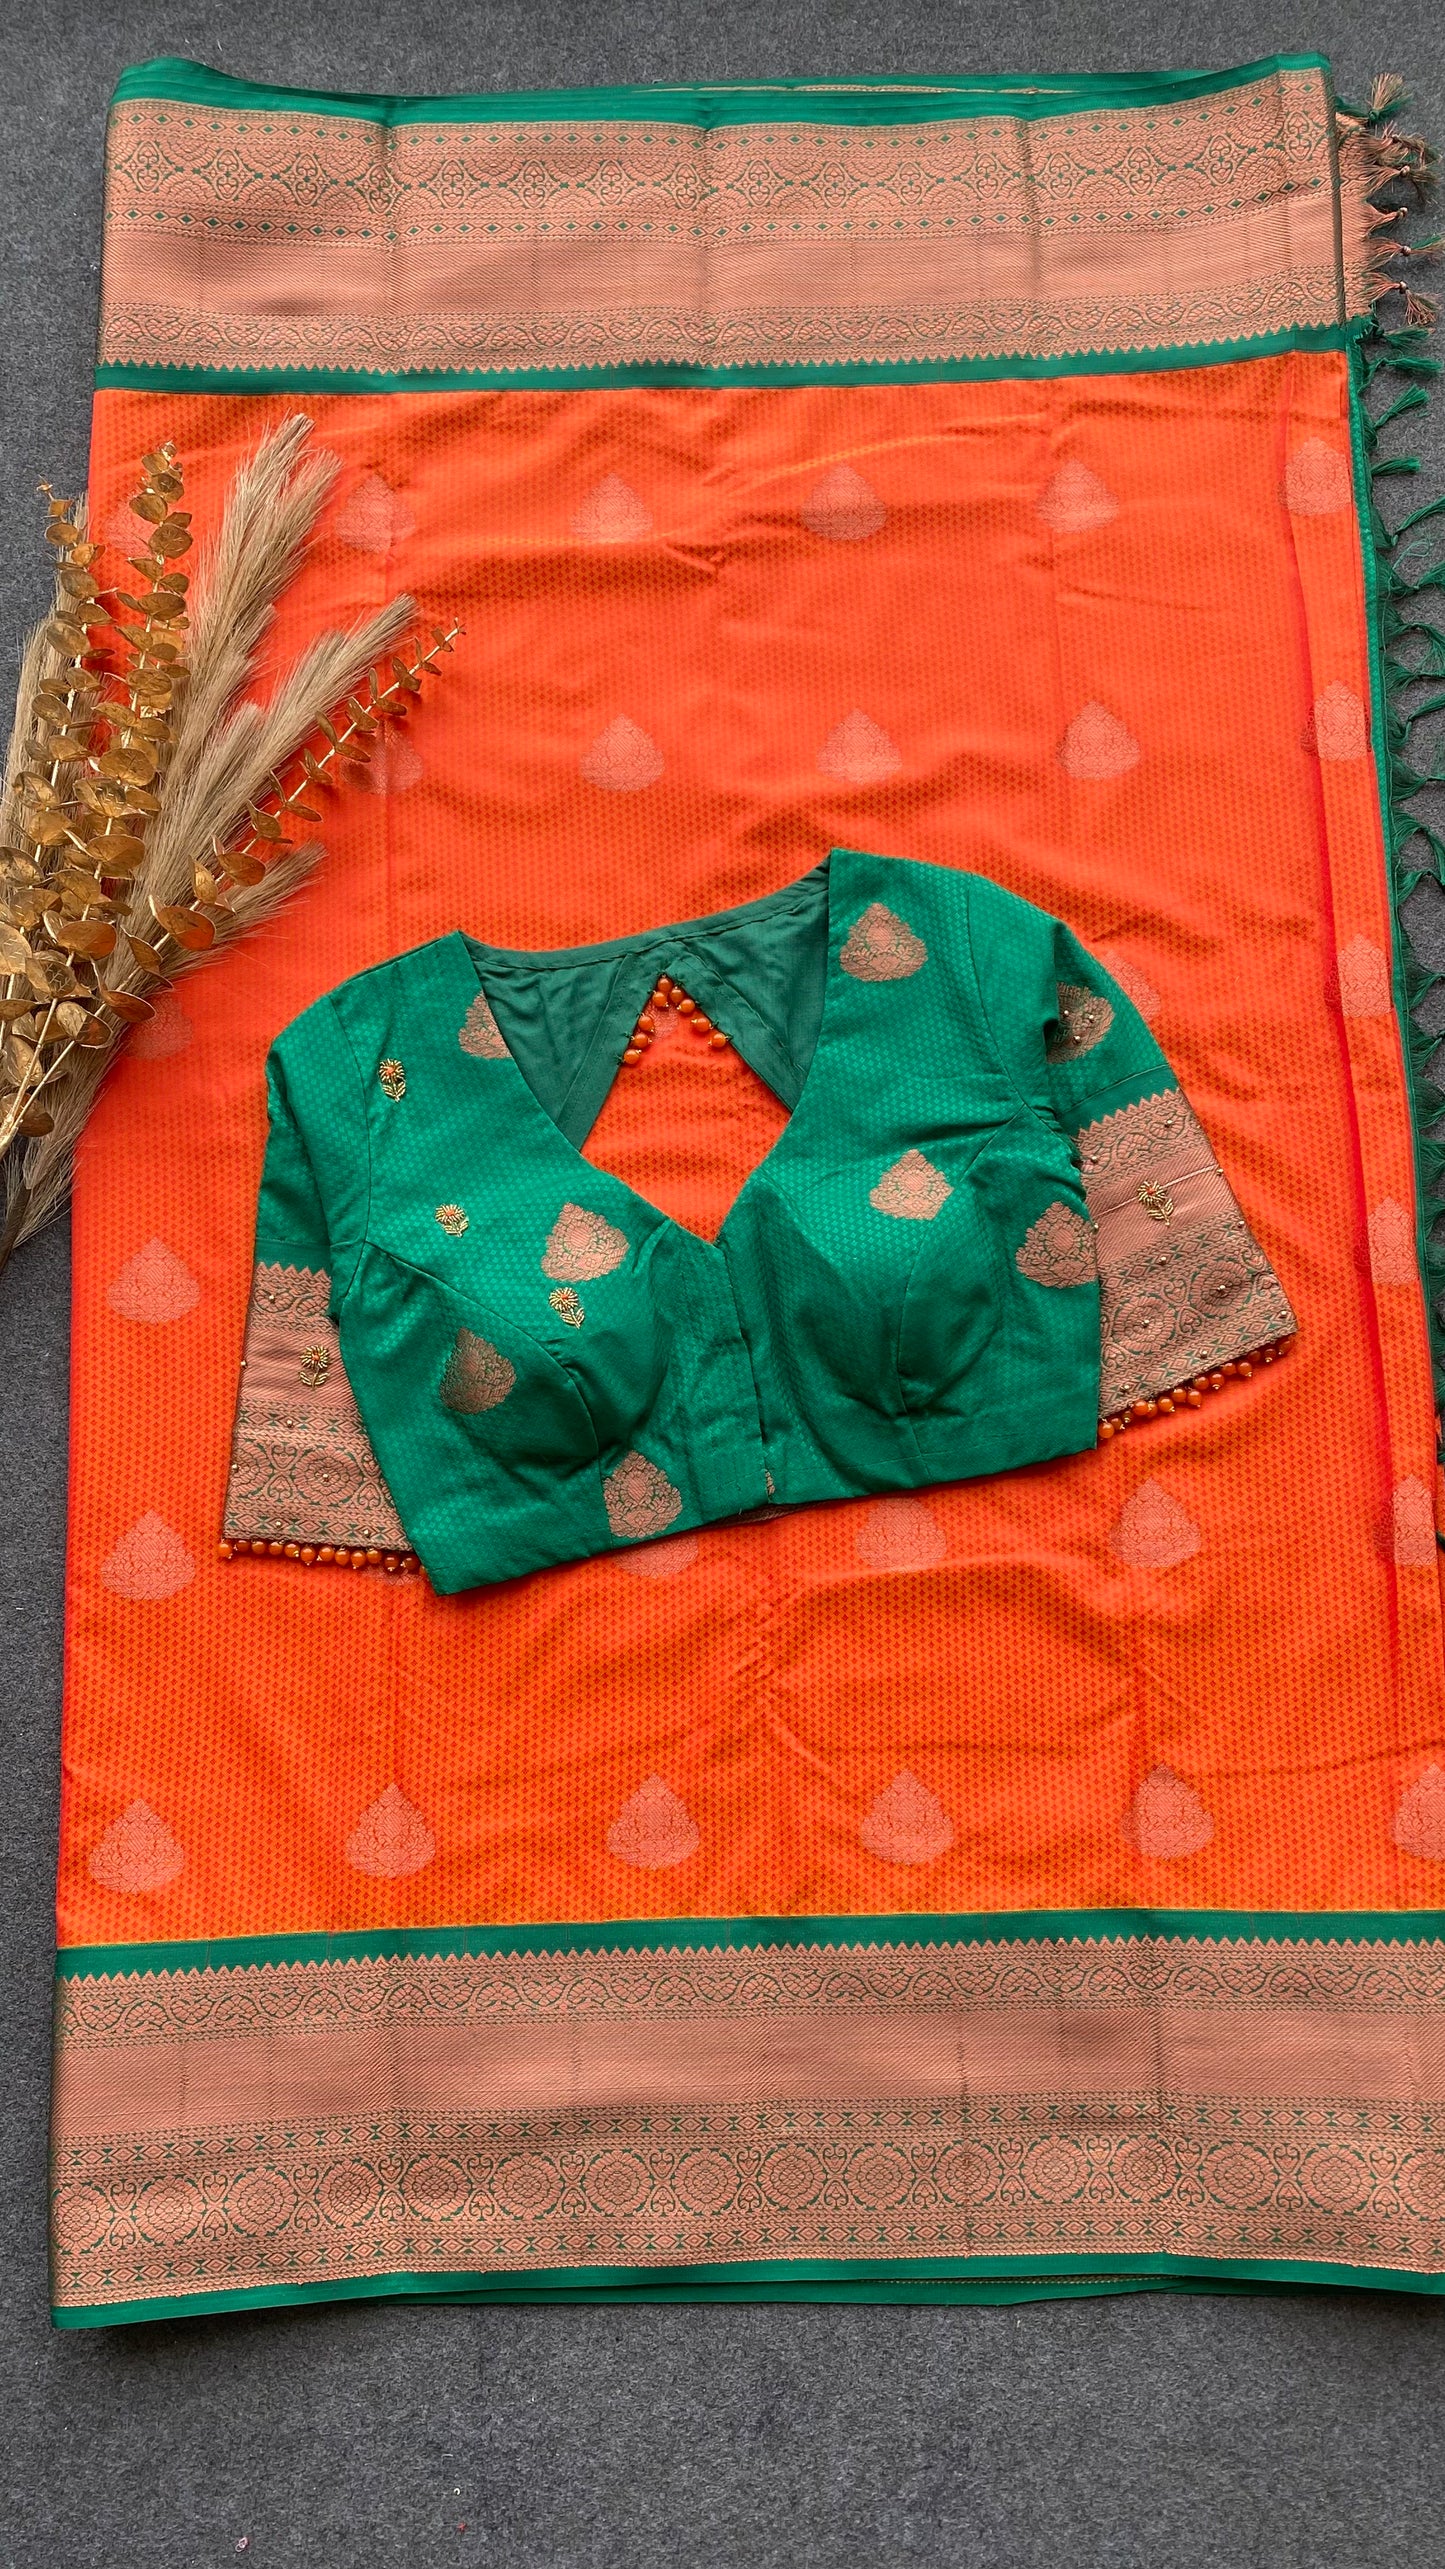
point(1149, 2432)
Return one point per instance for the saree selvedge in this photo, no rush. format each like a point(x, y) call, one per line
point(1030, 1886)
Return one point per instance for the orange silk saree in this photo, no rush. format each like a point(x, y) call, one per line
point(1024, 1887)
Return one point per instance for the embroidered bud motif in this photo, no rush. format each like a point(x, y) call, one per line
point(882, 947)
point(315, 1366)
point(1166, 1817)
point(452, 1219)
point(137, 1853)
point(1419, 1823)
point(1059, 1249)
point(1156, 1200)
point(392, 1078)
point(391, 1839)
point(912, 1190)
point(477, 1375)
point(581, 1246)
point(843, 506)
point(907, 1824)
point(568, 1306)
point(640, 1500)
point(481, 1036)
point(1085, 1017)
point(655, 1829)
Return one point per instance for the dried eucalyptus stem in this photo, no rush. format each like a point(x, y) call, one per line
point(145, 803)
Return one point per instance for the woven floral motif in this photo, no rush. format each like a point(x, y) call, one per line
point(640, 1499)
point(480, 1035)
point(302, 1466)
point(582, 1245)
point(477, 1375)
point(882, 947)
point(912, 1190)
point(1059, 1248)
point(1084, 1019)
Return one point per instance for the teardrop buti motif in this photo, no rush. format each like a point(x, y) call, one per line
point(1364, 975)
point(1412, 1526)
point(858, 751)
point(1316, 480)
point(1166, 1817)
point(1154, 1532)
point(1338, 727)
point(912, 1190)
point(622, 759)
point(1419, 1822)
point(149, 1562)
point(1059, 1249)
point(1132, 982)
point(882, 947)
point(640, 1500)
point(1392, 1244)
point(654, 1829)
point(1076, 501)
point(907, 1824)
point(477, 1375)
point(1097, 746)
point(137, 1853)
point(612, 513)
point(480, 1034)
point(582, 1246)
point(900, 1533)
point(393, 767)
point(391, 1839)
point(665, 1560)
point(372, 518)
point(843, 506)
point(154, 1285)
point(1084, 1019)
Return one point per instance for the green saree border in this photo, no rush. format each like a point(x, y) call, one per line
point(742, 1935)
point(176, 79)
point(1414, 847)
point(1178, 356)
point(910, 2280)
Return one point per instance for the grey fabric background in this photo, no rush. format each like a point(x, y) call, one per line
point(1293, 2431)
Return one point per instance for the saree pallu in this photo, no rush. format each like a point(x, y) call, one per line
point(1021, 1887)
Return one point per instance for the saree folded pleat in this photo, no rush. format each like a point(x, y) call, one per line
point(1013, 1885)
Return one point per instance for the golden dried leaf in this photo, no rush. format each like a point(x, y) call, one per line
point(145, 955)
point(406, 677)
point(241, 866)
point(189, 930)
point(302, 812)
point(14, 1011)
point(165, 606)
point(159, 460)
point(19, 1060)
point(93, 938)
point(128, 1004)
point(63, 633)
point(147, 505)
point(363, 720)
point(64, 750)
point(48, 829)
point(25, 909)
point(62, 530)
point(139, 798)
point(168, 484)
point(18, 867)
point(83, 553)
point(14, 950)
point(76, 581)
point(318, 774)
point(265, 824)
point(172, 540)
point(143, 725)
point(69, 1016)
point(93, 1034)
point(51, 976)
point(207, 884)
point(102, 796)
point(135, 766)
point(36, 1119)
point(119, 852)
point(149, 687)
point(329, 728)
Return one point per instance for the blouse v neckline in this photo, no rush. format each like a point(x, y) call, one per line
point(754, 1047)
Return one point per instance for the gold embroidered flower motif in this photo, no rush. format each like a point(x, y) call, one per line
point(580, 1246)
point(452, 1219)
point(1157, 1200)
point(392, 1078)
point(882, 947)
point(480, 1034)
point(477, 1375)
point(315, 1366)
point(1085, 1017)
point(568, 1306)
point(640, 1499)
point(1059, 1248)
point(912, 1190)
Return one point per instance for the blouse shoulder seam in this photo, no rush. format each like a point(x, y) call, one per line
point(364, 1228)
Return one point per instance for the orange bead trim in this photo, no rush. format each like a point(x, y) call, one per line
point(669, 994)
point(1192, 1394)
point(325, 1556)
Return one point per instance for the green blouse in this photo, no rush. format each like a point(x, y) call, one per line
point(990, 1219)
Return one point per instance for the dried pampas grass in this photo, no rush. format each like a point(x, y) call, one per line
point(145, 798)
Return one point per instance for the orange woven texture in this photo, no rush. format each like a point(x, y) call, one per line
point(1102, 639)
